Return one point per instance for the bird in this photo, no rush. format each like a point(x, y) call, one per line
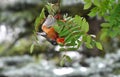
point(49, 32)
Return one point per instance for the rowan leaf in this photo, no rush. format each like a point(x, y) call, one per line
point(99, 45)
point(85, 26)
point(39, 20)
point(105, 25)
point(87, 5)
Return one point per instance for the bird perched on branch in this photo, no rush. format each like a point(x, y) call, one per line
point(49, 32)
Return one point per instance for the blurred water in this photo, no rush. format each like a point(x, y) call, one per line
point(27, 66)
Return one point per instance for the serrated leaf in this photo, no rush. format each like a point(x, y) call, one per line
point(85, 26)
point(78, 20)
point(71, 36)
point(99, 46)
point(68, 31)
point(57, 28)
point(31, 48)
point(78, 36)
point(75, 28)
point(62, 26)
point(39, 20)
point(65, 32)
point(72, 43)
point(87, 5)
point(93, 12)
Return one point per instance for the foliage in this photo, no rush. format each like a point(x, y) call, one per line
point(74, 30)
point(110, 11)
point(39, 20)
point(64, 59)
point(52, 8)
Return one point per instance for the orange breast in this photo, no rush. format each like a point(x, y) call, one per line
point(50, 32)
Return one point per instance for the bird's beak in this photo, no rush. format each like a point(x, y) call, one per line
point(53, 42)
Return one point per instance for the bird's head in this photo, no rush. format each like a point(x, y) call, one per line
point(53, 42)
point(42, 34)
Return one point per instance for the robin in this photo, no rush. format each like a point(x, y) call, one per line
point(49, 32)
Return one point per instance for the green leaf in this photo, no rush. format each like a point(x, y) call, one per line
point(87, 5)
point(88, 45)
point(93, 12)
point(88, 39)
point(62, 62)
point(99, 46)
point(85, 26)
point(71, 36)
point(39, 20)
point(75, 28)
point(68, 31)
point(79, 43)
point(82, 23)
point(64, 59)
point(65, 32)
point(78, 20)
point(61, 25)
point(97, 3)
point(72, 43)
point(77, 36)
point(68, 58)
point(57, 28)
point(105, 25)
point(32, 48)
point(50, 9)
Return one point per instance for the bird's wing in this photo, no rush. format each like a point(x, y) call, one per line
point(50, 21)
